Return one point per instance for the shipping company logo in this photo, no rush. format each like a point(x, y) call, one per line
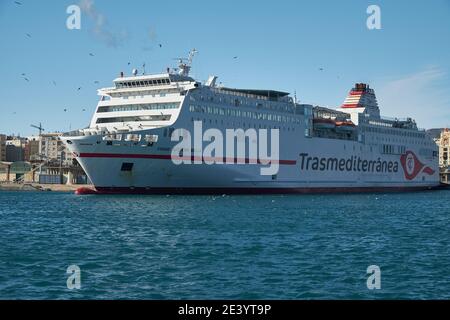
point(412, 166)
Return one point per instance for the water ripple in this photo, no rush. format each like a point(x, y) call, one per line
point(226, 247)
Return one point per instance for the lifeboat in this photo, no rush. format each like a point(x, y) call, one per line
point(345, 125)
point(322, 123)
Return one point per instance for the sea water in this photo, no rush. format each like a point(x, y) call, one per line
point(224, 247)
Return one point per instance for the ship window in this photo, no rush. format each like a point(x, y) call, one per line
point(142, 118)
point(133, 137)
point(151, 138)
point(127, 166)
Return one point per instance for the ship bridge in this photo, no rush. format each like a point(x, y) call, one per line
point(271, 95)
point(150, 80)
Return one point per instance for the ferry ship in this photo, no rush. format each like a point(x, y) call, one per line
point(128, 146)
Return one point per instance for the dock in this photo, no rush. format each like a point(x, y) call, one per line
point(37, 187)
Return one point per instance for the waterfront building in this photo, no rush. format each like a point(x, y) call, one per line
point(444, 155)
point(14, 153)
point(32, 150)
point(444, 148)
point(2, 147)
point(15, 148)
point(48, 147)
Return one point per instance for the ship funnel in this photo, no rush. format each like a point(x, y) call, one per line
point(361, 96)
point(361, 99)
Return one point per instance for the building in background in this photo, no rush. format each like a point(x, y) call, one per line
point(14, 153)
point(2, 147)
point(40, 159)
point(15, 149)
point(31, 151)
point(47, 147)
point(444, 148)
point(443, 141)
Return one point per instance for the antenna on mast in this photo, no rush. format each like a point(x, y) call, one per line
point(192, 53)
point(184, 65)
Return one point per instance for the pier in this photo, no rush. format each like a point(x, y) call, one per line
point(25, 176)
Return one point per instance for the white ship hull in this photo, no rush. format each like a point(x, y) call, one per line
point(155, 172)
point(128, 146)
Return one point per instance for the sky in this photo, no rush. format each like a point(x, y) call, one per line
point(316, 49)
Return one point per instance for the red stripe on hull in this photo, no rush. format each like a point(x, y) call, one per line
point(253, 191)
point(169, 157)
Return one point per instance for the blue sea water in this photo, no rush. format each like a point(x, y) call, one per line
point(225, 247)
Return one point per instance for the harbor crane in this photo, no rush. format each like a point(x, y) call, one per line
point(38, 127)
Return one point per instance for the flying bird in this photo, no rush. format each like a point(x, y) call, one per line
point(320, 69)
point(18, 3)
point(91, 54)
point(28, 35)
point(26, 79)
point(96, 82)
point(235, 57)
point(24, 74)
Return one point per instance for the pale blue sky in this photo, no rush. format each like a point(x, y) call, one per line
point(280, 45)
